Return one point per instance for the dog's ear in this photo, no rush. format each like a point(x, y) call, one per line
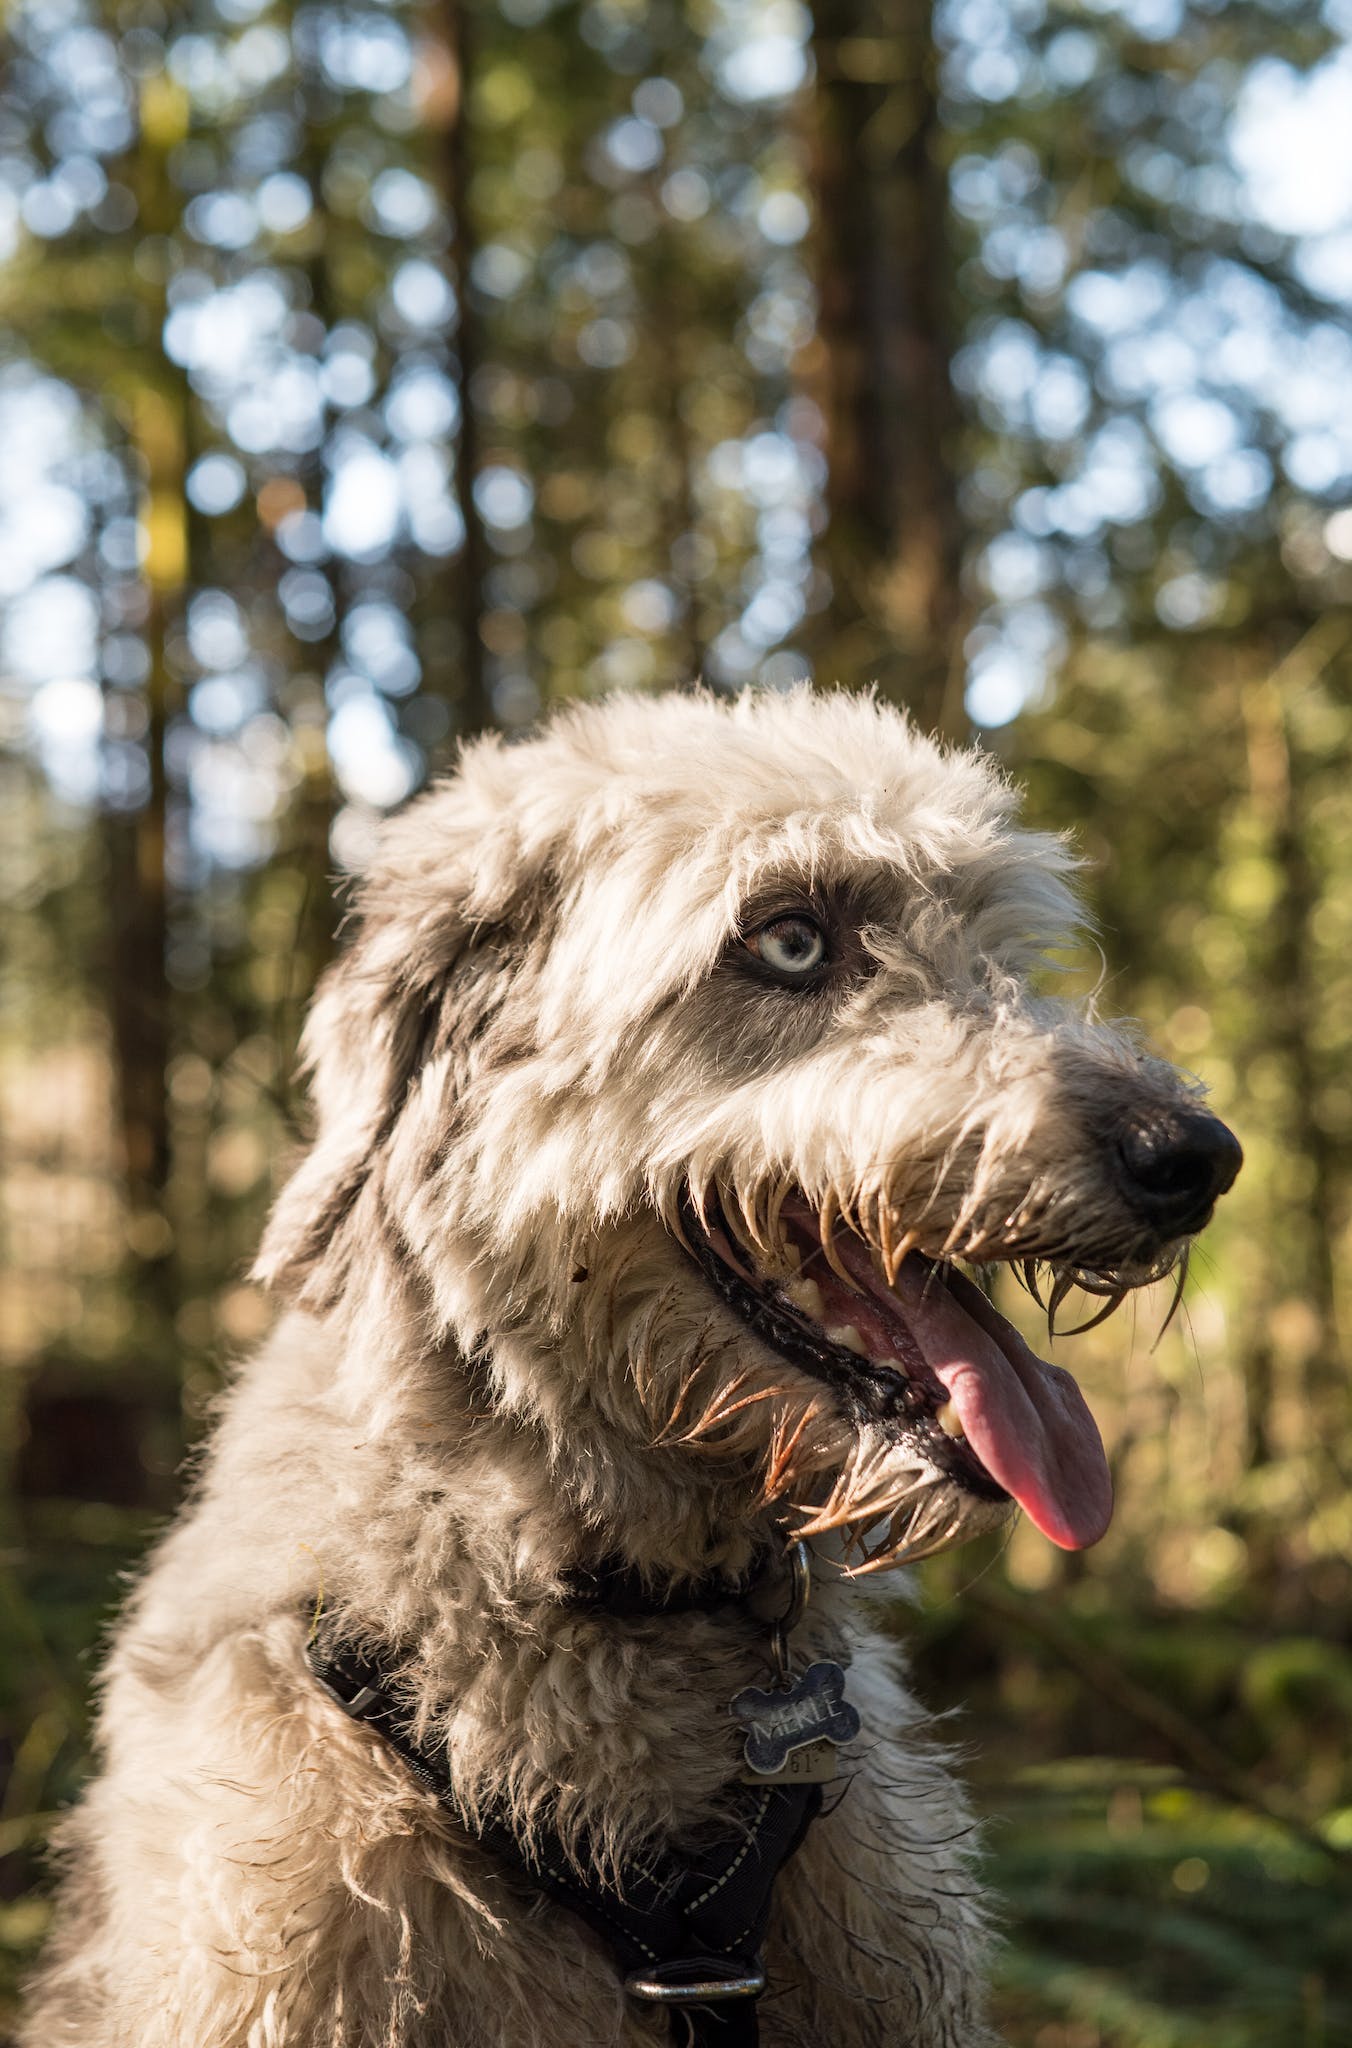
point(449, 873)
point(362, 1048)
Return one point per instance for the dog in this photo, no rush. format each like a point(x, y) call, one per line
point(682, 1059)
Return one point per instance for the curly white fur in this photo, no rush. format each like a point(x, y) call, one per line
point(535, 1045)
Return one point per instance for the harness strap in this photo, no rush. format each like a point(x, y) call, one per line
point(684, 1930)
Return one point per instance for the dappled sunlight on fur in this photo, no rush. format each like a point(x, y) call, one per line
point(537, 1066)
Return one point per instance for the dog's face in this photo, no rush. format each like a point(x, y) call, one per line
point(681, 1054)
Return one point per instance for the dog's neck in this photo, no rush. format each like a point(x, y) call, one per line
point(562, 1466)
point(456, 1541)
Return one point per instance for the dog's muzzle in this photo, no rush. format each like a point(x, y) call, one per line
point(1173, 1168)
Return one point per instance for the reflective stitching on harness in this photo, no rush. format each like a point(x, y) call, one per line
point(601, 1912)
point(358, 1688)
point(733, 1947)
point(748, 1845)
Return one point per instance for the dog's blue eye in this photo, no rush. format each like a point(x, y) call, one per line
point(791, 945)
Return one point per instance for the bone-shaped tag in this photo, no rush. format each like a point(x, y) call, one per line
point(813, 1709)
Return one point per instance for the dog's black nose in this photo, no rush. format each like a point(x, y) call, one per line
point(1174, 1165)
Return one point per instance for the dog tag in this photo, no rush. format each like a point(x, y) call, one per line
point(818, 1763)
point(813, 1709)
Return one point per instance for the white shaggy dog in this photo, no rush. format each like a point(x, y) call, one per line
point(676, 1055)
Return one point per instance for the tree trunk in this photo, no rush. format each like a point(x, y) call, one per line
point(473, 706)
point(893, 546)
point(1304, 1247)
point(138, 894)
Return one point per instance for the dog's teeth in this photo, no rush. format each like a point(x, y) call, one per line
point(849, 1339)
point(792, 1256)
point(806, 1295)
point(949, 1420)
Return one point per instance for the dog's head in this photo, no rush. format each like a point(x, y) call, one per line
point(681, 1054)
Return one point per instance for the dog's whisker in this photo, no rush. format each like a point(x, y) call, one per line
point(1180, 1282)
point(738, 1224)
point(669, 1208)
point(683, 1394)
point(1064, 1283)
point(723, 1399)
point(779, 1194)
point(626, 1251)
point(724, 1410)
point(703, 1198)
point(883, 1231)
point(1028, 1269)
point(901, 1251)
point(910, 1537)
point(1110, 1307)
point(827, 1217)
point(784, 1450)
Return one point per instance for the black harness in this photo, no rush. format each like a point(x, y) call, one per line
point(685, 1930)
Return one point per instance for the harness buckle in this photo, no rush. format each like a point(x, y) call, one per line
point(695, 1980)
point(348, 1690)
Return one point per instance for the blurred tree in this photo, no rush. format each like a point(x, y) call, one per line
point(452, 114)
point(893, 545)
point(368, 375)
point(1153, 307)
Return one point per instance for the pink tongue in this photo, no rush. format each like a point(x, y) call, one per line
point(1026, 1420)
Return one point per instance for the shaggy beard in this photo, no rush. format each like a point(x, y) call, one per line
point(1044, 1228)
point(803, 1464)
point(817, 1472)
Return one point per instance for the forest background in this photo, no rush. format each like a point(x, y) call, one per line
point(374, 372)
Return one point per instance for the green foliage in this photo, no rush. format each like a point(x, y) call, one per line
point(368, 376)
point(1144, 1916)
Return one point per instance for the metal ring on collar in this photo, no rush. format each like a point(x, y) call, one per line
point(800, 1592)
point(701, 1990)
point(799, 1560)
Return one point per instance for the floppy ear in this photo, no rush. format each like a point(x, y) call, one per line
point(448, 871)
point(366, 1038)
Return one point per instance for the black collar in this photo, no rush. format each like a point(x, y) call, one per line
point(613, 1585)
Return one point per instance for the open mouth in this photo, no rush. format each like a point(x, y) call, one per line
point(925, 1358)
